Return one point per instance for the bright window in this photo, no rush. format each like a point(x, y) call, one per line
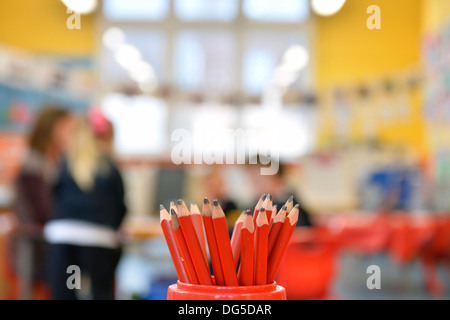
point(209, 125)
point(276, 10)
point(291, 129)
point(205, 60)
point(206, 10)
point(140, 123)
point(135, 10)
point(263, 53)
point(151, 46)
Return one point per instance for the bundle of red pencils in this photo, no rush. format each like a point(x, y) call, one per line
point(251, 257)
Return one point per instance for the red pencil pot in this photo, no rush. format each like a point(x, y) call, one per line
point(184, 291)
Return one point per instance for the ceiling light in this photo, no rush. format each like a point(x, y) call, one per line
point(128, 56)
point(327, 7)
point(81, 6)
point(113, 38)
point(296, 58)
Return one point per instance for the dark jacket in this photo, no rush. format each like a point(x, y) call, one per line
point(33, 206)
point(103, 204)
point(33, 192)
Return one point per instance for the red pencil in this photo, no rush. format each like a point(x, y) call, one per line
point(281, 244)
point(289, 204)
point(174, 249)
point(212, 243)
point(275, 229)
point(261, 242)
point(245, 274)
point(223, 244)
point(236, 238)
point(195, 250)
point(197, 221)
point(257, 207)
point(267, 205)
point(192, 275)
point(272, 216)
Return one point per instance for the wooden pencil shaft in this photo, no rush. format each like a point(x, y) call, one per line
point(175, 252)
point(273, 235)
point(197, 222)
point(224, 246)
point(245, 274)
point(261, 239)
point(236, 239)
point(261, 243)
point(198, 259)
point(195, 251)
point(272, 216)
point(268, 206)
point(275, 229)
point(192, 274)
point(213, 250)
point(277, 253)
point(212, 243)
point(246, 267)
point(258, 207)
point(225, 253)
point(282, 242)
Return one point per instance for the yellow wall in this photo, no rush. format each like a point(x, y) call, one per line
point(40, 26)
point(349, 54)
point(435, 12)
point(348, 50)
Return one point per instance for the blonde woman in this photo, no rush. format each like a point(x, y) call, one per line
point(89, 208)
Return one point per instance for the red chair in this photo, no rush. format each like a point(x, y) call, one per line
point(409, 237)
point(309, 265)
point(437, 250)
point(8, 280)
point(364, 234)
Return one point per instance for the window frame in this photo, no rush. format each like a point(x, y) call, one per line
point(240, 27)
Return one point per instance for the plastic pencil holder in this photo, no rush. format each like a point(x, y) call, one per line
point(184, 291)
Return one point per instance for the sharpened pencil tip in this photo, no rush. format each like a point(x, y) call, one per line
point(269, 196)
point(284, 207)
point(248, 212)
point(172, 212)
point(161, 207)
point(297, 206)
point(215, 203)
point(263, 197)
point(205, 200)
point(262, 210)
point(172, 203)
point(291, 199)
point(179, 202)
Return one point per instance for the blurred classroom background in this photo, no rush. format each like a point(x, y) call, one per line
point(363, 116)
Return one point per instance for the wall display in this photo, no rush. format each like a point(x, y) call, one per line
point(436, 45)
point(28, 81)
point(364, 111)
point(437, 63)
